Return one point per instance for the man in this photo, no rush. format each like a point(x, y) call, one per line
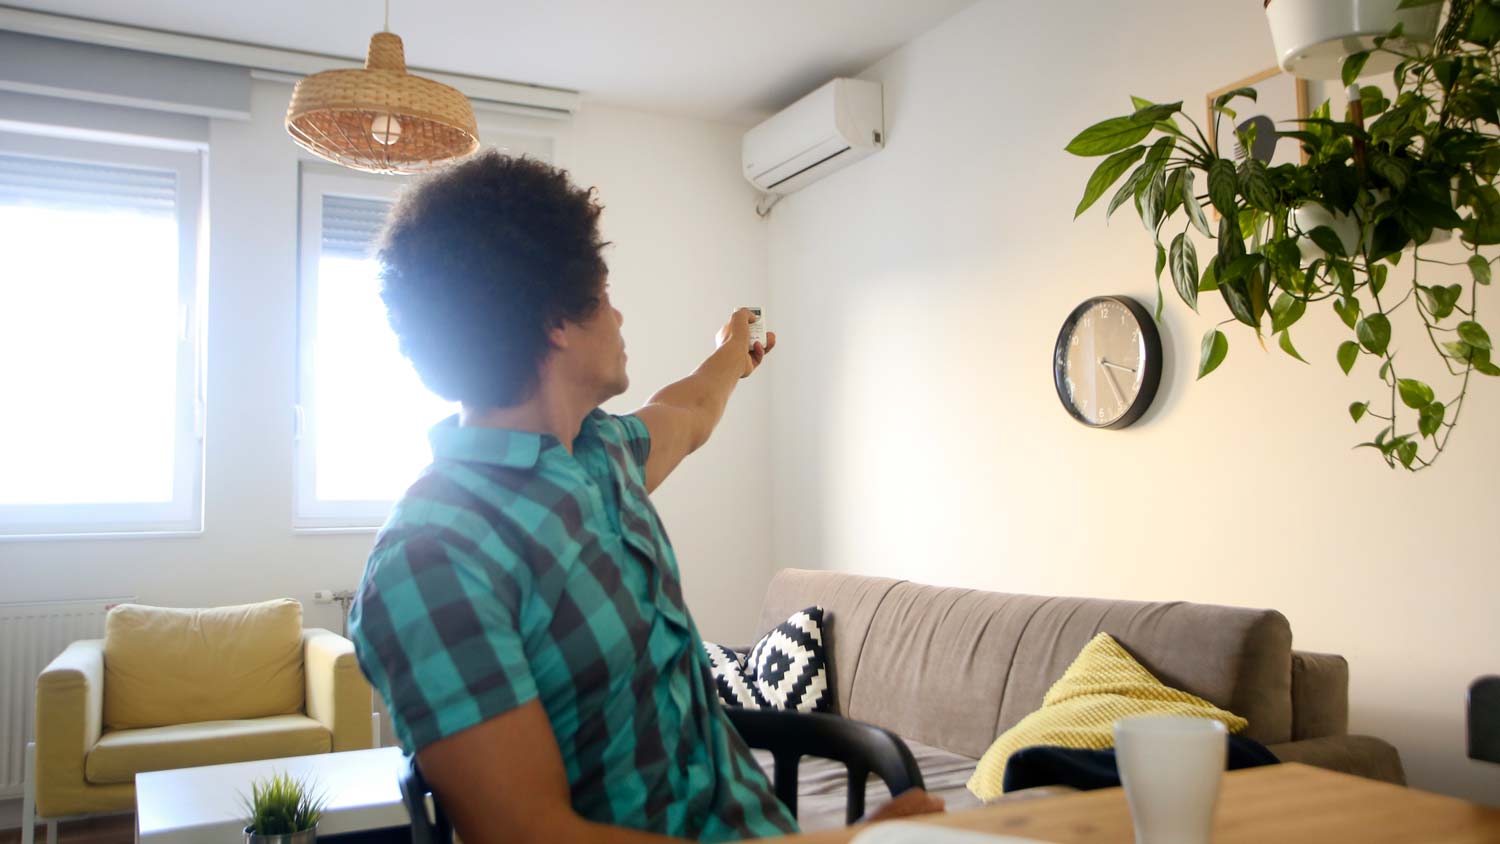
point(521, 612)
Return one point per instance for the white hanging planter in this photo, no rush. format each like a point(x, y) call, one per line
point(1309, 217)
point(1313, 37)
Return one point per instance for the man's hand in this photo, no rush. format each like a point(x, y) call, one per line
point(736, 334)
point(908, 803)
point(682, 415)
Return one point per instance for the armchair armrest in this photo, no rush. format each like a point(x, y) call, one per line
point(69, 719)
point(338, 696)
point(1320, 695)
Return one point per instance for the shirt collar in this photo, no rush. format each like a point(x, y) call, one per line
point(497, 446)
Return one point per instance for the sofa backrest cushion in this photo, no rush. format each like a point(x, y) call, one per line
point(176, 666)
point(954, 668)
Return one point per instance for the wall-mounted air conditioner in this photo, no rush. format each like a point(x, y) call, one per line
point(825, 131)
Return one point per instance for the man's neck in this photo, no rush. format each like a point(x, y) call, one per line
point(546, 412)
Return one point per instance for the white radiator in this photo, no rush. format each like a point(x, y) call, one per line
point(32, 635)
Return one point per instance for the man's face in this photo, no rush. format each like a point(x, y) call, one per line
point(596, 351)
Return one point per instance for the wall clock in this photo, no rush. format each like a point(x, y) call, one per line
point(1107, 363)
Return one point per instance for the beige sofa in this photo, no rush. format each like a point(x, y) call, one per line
point(950, 669)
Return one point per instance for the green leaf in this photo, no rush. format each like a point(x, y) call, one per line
point(1406, 451)
point(1385, 371)
point(1248, 93)
point(1210, 280)
point(1174, 191)
point(1431, 418)
point(1481, 269)
point(1153, 113)
point(1106, 174)
point(1286, 346)
point(1348, 310)
point(1357, 410)
point(1152, 199)
point(1161, 261)
point(1184, 260)
point(1413, 4)
point(1389, 168)
point(1348, 354)
point(1285, 313)
point(1221, 187)
point(1414, 394)
point(1190, 202)
point(1109, 136)
point(1474, 334)
point(1214, 348)
point(1378, 275)
point(1459, 351)
point(1255, 184)
point(1131, 187)
point(1353, 66)
point(1327, 240)
point(1374, 332)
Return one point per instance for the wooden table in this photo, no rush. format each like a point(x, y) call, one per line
point(1278, 804)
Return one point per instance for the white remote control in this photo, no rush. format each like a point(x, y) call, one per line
point(758, 328)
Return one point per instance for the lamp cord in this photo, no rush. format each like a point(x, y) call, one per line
point(387, 15)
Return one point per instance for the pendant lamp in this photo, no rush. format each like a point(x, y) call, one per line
point(380, 118)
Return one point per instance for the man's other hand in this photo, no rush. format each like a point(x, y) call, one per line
point(911, 802)
point(737, 331)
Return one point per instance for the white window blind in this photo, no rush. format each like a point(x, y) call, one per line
point(100, 432)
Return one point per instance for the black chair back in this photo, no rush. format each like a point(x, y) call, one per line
point(1484, 719)
point(428, 823)
point(863, 748)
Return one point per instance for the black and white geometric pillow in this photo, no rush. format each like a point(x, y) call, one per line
point(787, 669)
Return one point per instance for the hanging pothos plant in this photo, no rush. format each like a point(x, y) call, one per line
point(1396, 174)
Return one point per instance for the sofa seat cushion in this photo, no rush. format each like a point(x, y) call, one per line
point(165, 666)
point(822, 785)
point(120, 755)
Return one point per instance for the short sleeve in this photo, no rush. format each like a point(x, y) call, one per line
point(637, 438)
point(436, 629)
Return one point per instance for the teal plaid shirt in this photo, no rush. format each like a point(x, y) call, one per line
point(513, 571)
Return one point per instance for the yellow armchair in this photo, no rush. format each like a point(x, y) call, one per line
point(90, 745)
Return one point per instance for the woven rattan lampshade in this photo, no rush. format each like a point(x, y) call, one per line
point(381, 119)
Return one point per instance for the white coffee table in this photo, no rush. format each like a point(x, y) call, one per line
point(201, 805)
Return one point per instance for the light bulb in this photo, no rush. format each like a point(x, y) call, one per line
point(385, 129)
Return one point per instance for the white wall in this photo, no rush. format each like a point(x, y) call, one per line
point(689, 247)
point(916, 433)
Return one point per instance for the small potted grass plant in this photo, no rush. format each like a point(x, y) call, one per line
point(282, 810)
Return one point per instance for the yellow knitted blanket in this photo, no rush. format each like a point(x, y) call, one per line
point(1103, 685)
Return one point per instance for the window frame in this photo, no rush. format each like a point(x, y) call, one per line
point(309, 513)
point(183, 515)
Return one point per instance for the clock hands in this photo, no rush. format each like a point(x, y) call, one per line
point(1113, 386)
point(1103, 362)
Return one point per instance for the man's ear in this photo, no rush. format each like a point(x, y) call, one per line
point(559, 335)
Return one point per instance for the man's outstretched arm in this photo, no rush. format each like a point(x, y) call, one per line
point(682, 415)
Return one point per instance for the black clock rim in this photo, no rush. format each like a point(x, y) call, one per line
point(1153, 362)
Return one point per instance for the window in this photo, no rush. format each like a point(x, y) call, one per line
point(100, 420)
point(363, 413)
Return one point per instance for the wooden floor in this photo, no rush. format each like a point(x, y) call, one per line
point(113, 829)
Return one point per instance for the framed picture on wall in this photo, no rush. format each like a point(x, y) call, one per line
point(1283, 98)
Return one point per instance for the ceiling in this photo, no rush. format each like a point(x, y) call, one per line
point(736, 60)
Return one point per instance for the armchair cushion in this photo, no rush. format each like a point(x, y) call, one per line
point(120, 755)
point(69, 703)
point(168, 666)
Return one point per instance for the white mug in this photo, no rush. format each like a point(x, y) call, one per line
point(1170, 766)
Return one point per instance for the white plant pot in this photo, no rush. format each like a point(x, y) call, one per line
point(1309, 217)
point(1313, 37)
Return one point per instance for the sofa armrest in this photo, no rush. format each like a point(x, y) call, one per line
point(1364, 756)
point(1320, 695)
point(338, 696)
point(69, 719)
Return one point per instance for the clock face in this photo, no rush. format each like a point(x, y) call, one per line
point(1107, 363)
